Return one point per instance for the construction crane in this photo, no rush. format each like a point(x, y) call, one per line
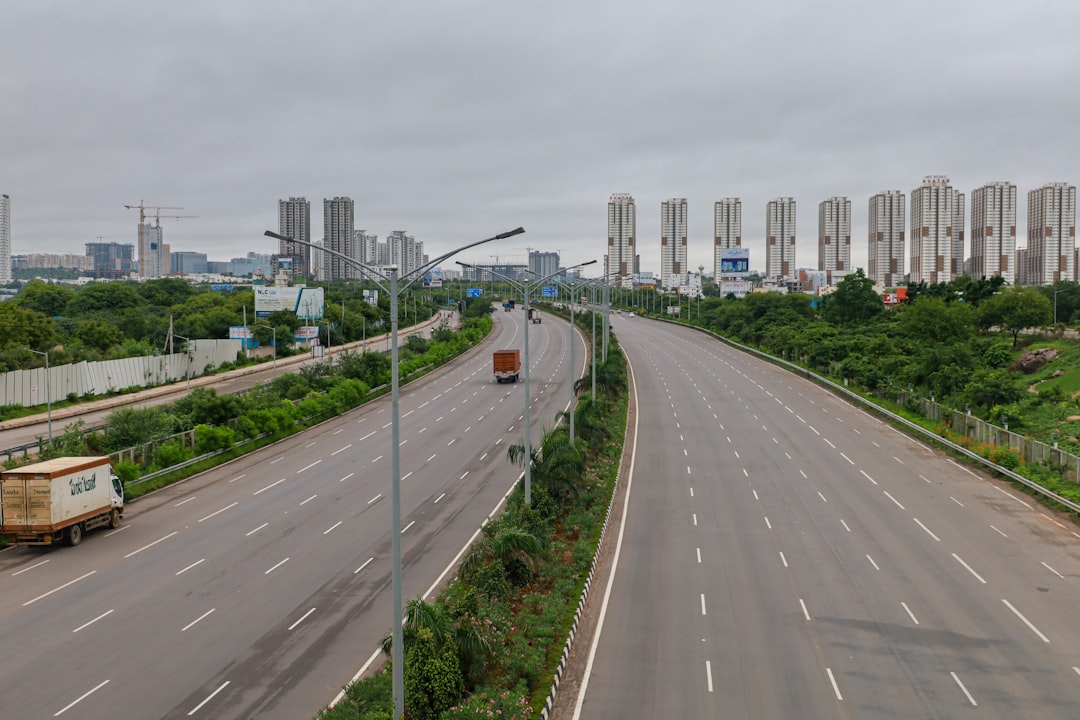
point(142, 208)
point(158, 216)
point(149, 255)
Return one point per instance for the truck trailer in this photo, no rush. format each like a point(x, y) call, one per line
point(59, 499)
point(507, 365)
point(534, 315)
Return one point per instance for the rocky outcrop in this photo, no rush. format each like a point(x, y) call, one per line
point(1033, 360)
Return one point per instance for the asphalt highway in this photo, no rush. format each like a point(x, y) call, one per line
point(786, 555)
point(260, 588)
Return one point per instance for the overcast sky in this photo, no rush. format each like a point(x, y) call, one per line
point(455, 120)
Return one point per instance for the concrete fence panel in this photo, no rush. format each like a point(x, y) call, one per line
point(28, 387)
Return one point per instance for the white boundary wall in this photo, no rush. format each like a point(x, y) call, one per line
point(27, 387)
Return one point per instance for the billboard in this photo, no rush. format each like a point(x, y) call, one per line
point(305, 302)
point(739, 288)
point(735, 262)
point(304, 333)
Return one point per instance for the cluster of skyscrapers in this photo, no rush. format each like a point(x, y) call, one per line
point(934, 252)
point(299, 261)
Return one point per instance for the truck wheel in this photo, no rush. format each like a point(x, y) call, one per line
point(74, 535)
point(114, 519)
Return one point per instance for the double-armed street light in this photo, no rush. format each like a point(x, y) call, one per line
point(571, 287)
point(393, 287)
point(525, 288)
point(272, 329)
point(48, 387)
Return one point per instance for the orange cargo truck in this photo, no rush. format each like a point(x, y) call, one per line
point(507, 365)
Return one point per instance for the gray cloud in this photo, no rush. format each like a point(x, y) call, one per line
point(456, 120)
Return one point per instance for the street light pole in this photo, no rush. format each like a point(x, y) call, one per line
point(48, 388)
point(397, 657)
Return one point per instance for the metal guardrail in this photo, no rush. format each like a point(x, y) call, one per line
point(912, 427)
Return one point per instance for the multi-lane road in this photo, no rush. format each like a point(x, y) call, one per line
point(786, 555)
point(260, 588)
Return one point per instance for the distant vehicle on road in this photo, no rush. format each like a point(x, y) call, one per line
point(534, 315)
point(507, 365)
point(631, 315)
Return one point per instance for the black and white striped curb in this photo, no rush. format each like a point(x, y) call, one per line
point(545, 714)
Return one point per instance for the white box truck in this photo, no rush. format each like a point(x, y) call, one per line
point(59, 499)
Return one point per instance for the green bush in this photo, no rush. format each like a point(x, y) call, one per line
point(433, 681)
point(171, 453)
point(127, 471)
point(246, 427)
point(209, 439)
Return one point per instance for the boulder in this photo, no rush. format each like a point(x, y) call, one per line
point(1033, 360)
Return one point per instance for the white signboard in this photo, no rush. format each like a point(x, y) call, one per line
point(305, 302)
point(738, 288)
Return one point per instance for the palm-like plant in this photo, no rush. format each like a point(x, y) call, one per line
point(502, 544)
point(557, 465)
point(469, 642)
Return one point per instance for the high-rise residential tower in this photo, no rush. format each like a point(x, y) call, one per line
point(727, 229)
point(542, 264)
point(405, 252)
point(153, 262)
point(672, 241)
point(338, 236)
point(834, 234)
point(369, 247)
point(1051, 228)
point(622, 239)
point(112, 260)
point(5, 239)
point(294, 220)
point(932, 216)
point(993, 231)
point(780, 238)
point(959, 218)
point(885, 234)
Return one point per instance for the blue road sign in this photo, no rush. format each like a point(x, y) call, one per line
point(474, 292)
point(550, 291)
point(221, 287)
